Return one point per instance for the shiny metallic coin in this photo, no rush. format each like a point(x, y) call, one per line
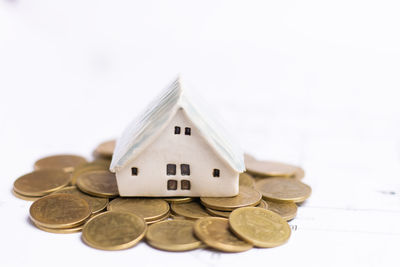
point(59, 211)
point(88, 167)
point(105, 149)
point(263, 204)
point(114, 230)
point(215, 233)
point(260, 227)
point(299, 173)
point(246, 180)
point(150, 209)
point(166, 216)
point(172, 235)
point(96, 204)
point(42, 182)
point(72, 230)
point(190, 210)
point(98, 183)
point(66, 163)
point(269, 168)
point(27, 198)
point(247, 197)
point(178, 199)
point(283, 189)
point(287, 210)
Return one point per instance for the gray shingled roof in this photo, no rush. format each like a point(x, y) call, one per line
point(144, 129)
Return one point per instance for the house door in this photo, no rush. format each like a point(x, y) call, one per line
point(178, 181)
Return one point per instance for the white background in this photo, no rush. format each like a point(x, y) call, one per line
point(313, 83)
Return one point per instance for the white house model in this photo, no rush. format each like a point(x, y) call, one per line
point(175, 149)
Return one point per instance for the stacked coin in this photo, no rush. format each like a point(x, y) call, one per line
point(256, 217)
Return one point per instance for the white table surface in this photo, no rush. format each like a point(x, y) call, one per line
point(312, 83)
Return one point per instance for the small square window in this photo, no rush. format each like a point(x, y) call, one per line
point(172, 184)
point(187, 131)
point(185, 185)
point(134, 171)
point(185, 169)
point(216, 172)
point(177, 130)
point(171, 169)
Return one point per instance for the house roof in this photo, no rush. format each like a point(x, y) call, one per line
point(145, 128)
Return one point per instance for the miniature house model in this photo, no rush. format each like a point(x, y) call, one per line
point(175, 149)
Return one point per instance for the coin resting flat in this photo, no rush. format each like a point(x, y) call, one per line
point(66, 163)
point(59, 211)
point(114, 230)
point(150, 209)
point(269, 168)
point(260, 227)
point(172, 235)
point(215, 233)
point(283, 189)
point(191, 210)
point(42, 182)
point(98, 183)
point(287, 210)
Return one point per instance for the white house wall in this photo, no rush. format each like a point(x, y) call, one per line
point(178, 149)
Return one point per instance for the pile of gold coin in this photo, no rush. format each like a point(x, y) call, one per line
point(71, 195)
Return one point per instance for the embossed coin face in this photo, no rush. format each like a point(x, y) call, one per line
point(105, 149)
point(66, 163)
point(42, 182)
point(283, 189)
point(172, 235)
point(114, 230)
point(190, 210)
point(59, 211)
point(150, 209)
point(96, 204)
point(287, 210)
point(98, 183)
point(260, 227)
point(215, 233)
point(88, 167)
point(269, 168)
point(247, 197)
point(246, 180)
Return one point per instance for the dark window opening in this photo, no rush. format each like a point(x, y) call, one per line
point(185, 185)
point(177, 130)
point(134, 171)
point(187, 131)
point(185, 169)
point(171, 169)
point(172, 184)
point(216, 172)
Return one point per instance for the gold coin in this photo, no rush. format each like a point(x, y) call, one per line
point(105, 149)
point(172, 235)
point(248, 157)
point(59, 211)
point(28, 198)
point(178, 199)
point(60, 230)
point(42, 182)
point(163, 218)
point(88, 167)
point(215, 233)
point(98, 183)
point(263, 204)
point(246, 180)
point(150, 209)
point(287, 210)
point(283, 189)
point(269, 168)
point(114, 230)
point(66, 163)
point(190, 210)
point(96, 204)
point(299, 173)
point(247, 197)
point(260, 227)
